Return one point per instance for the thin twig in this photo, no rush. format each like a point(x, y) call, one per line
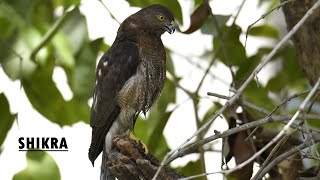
point(208, 70)
point(111, 14)
point(263, 16)
point(52, 31)
point(288, 99)
point(241, 102)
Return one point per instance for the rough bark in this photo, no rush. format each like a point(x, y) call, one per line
point(128, 161)
point(307, 39)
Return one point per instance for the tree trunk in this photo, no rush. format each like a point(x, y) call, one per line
point(307, 38)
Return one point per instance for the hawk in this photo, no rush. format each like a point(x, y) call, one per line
point(129, 77)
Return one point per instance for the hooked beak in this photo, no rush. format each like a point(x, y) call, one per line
point(169, 27)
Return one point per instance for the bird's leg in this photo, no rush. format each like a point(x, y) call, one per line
point(132, 136)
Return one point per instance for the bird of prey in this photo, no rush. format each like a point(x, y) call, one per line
point(129, 77)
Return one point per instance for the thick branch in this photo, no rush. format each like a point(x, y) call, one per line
point(128, 161)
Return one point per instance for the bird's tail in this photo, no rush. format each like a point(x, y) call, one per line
point(105, 172)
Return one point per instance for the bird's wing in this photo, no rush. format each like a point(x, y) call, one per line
point(115, 67)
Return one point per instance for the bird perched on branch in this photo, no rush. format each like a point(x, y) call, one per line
point(129, 78)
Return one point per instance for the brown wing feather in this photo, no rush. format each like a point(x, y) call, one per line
point(115, 67)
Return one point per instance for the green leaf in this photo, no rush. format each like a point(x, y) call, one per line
point(63, 50)
point(314, 123)
point(27, 39)
point(197, 2)
point(208, 26)
point(6, 118)
point(172, 5)
point(42, 15)
point(76, 30)
point(24, 8)
point(192, 168)
point(69, 3)
point(40, 166)
point(232, 46)
point(9, 20)
point(47, 100)
point(264, 31)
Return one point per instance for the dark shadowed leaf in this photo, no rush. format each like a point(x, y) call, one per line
point(172, 5)
point(198, 17)
point(40, 165)
point(6, 118)
point(264, 31)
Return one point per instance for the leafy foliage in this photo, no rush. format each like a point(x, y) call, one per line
point(7, 118)
point(40, 166)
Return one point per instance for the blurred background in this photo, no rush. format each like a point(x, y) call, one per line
point(49, 51)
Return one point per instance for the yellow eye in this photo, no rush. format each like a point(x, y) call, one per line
point(161, 18)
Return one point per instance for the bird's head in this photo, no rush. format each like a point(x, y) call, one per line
point(154, 19)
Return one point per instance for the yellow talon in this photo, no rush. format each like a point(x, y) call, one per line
point(135, 138)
